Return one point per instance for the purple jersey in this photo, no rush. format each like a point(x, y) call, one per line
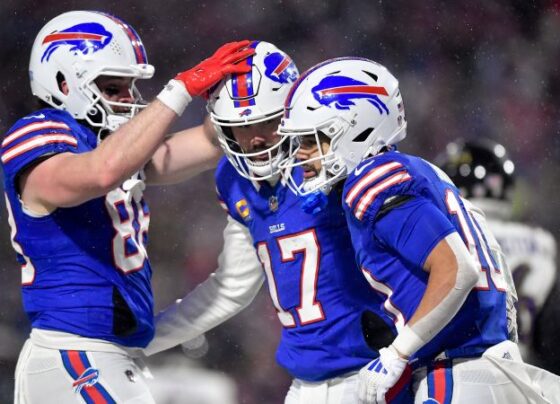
point(84, 269)
point(398, 208)
point(314, 283)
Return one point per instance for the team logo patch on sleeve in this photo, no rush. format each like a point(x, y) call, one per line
point(84, 38)
point(341, 92)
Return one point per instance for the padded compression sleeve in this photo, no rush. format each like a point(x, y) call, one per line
point(225, 293)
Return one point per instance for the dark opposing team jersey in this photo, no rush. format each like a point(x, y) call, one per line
point(84, 269)
point(314, 283)
point(398, 208)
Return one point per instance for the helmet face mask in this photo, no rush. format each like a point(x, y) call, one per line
point(328, 168)
point(356, 103)
point(78, 47)
point(108, 114)
point(253, 98)
point(256, 165)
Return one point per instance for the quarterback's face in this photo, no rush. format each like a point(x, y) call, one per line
point(312, 148)
point(257, 137)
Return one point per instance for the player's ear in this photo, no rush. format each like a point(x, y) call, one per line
point(62, 84)
point(64, 87)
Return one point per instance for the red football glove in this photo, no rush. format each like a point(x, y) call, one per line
point(210, 71)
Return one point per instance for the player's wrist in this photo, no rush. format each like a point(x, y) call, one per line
point(407, 343)
point(175, 96)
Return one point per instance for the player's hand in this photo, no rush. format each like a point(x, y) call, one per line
point(210, 71)
point(378, 376)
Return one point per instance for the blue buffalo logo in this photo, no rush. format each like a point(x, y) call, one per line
point(85, 38)
point(246, 112)
point(280, 68)
point(342, 91)
point(87, 379)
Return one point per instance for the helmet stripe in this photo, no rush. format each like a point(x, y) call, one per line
point(63, 36)
point(355, 89)
point(136, 42)
point(282, 66)
point(242, 84)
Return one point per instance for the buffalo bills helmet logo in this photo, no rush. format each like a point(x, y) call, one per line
point(246, 112)
point(88, 378)
point(342, 91)
point(85, 38)
point(280, 68)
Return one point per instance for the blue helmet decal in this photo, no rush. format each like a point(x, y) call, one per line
point(340, 91)
point(280, 68)
point(85, 38)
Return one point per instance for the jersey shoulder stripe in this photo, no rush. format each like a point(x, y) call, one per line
point(32, 128)
point(369, 197)
point(36, 142)
point(365, 186)
point(36, 135)
point(371, 177)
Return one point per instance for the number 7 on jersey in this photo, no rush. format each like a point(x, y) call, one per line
point(306, 243)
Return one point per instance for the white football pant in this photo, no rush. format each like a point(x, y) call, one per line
point(338, 390)
point(52, 376)
point(498, 377)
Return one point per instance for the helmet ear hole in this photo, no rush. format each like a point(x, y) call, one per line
point(59, 80)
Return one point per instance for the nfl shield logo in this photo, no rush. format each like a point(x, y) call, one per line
point(273, 203)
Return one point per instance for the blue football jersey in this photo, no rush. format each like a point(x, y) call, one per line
point(84, 269)
point(398, 208)
point(315, 285)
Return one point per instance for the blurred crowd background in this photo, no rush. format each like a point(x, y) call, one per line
point(466, 69)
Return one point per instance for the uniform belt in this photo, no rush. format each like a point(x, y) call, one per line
point(456, 353)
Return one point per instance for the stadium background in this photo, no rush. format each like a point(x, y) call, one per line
point(466, 69)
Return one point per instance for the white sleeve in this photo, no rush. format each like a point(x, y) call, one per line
point(411, 338)
point(225, 293)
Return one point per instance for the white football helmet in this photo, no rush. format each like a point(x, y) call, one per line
point(354, 102)
point(250, 98)
point(78, 47)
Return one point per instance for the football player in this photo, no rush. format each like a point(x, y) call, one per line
point(74, 177)
point(484, 174)
point(424, 249)
point(302, 247)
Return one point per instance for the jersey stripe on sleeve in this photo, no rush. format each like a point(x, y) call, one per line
point(33, 127)
point(368, 197)
point(37, 141)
